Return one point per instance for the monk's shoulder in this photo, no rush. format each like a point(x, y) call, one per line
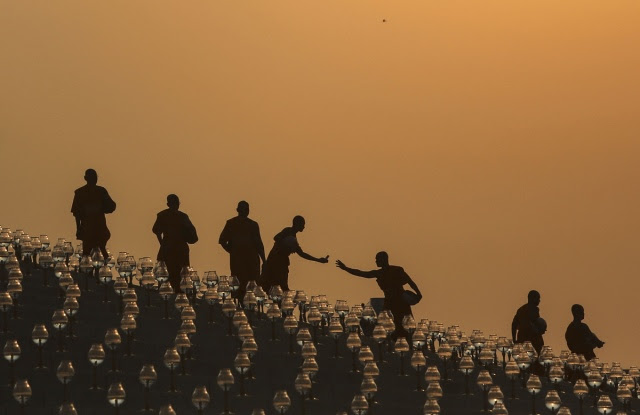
point(396, 269)
point(81, 190)
point(163, 213)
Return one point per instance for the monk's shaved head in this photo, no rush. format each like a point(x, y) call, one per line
point(173, 201)
point(91, 176)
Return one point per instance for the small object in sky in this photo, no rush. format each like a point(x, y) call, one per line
point(384, 20)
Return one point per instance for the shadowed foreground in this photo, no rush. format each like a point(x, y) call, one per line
point(213, 349)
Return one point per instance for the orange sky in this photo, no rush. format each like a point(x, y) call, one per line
point(489, 146)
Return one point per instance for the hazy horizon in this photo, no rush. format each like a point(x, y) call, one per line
point(490, 147)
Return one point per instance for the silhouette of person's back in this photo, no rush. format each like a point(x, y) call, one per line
point(391, 280)
point(276, 268)
point(580, 338)
point(241, 239)
point(90, 204)
point(175, 232)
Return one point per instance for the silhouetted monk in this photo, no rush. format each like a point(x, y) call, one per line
point(275, 270)
point(526, 326)
point(174, 231)
point(579, 337)
point(391, 280)
point(241, 239)
point(90, 204)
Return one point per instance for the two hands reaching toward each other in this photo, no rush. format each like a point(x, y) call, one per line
point(340, 264)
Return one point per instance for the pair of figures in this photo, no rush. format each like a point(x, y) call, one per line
point(527, 325)
point(172, 227)
point(241, 239)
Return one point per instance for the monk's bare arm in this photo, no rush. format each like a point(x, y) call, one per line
point(357, 272)
point(308, 257)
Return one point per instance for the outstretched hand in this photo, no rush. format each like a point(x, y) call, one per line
point(324, 260)
point(340, 264)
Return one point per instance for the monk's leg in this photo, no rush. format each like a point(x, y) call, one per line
point(398, 316)
point(174, 275)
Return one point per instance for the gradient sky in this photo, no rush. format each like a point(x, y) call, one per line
point(490, 146)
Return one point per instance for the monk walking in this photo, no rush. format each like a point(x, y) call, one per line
point(580, 338)
point(241, 239)
point(275, 270)
point(525, 325)
point(391, 280)
point(175, 232)
point(90, 204)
